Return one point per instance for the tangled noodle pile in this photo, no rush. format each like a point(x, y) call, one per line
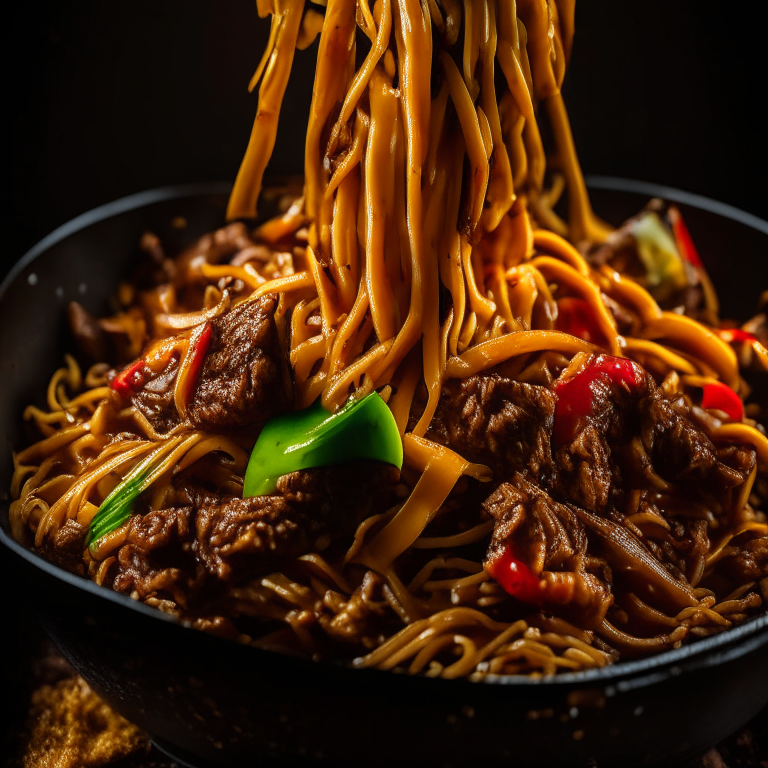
point(423, 260)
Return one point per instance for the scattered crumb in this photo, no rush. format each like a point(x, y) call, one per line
point(71, 727)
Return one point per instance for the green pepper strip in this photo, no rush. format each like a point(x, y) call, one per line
point(313, 437)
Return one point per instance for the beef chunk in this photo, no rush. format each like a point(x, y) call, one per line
point(750, 564)
point(548, 532)
point(588, 467)
point(494, 420)
point(551, 540)
point(244, 378)
point(156, 559)
point(680, 451)
point(632, 437)
point(66, 548)
point(155, 398)
point(587, 470)
point(244, 537)
point(172, 554)
point(637, 435)
point(89, 335)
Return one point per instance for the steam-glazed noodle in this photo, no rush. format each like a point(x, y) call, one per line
point(425, 252)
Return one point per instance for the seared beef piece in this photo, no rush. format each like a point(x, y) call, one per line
point(587, 471)
point(67, 546)
point(244, 537)
point(89, 336)
point(244, 378)
point(156, 559)
point(155, 268)
point(632, 434)
point(738, 457)
point(494, 420)
point(639, 434)
point(750, 564)
point(70, 537)
point(681, 452)
point(548, 533)
point(551, 540)
point(155, 398)
point(588, 467)
point(158, 268)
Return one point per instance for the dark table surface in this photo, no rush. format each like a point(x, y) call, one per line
point(57, 722)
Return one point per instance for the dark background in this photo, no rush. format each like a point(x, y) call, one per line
point(104, 99)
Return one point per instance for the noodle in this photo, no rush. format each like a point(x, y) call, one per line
point(425, 258)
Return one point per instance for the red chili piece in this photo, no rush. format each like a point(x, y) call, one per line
point(736, 335)
point(576, 394)
point(683, 239)
point(129, 379)
point(516, 577)
point(574, 316)
point(721, 397)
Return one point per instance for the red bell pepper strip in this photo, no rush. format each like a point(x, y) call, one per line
point(199, 344)
point(199, 350)
point(683, 238)
point(576, 394)
point(515, 577)
point(127, 382)
point(721, 397)
point(575, 316)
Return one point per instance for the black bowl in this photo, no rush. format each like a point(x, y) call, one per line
point(211, 702)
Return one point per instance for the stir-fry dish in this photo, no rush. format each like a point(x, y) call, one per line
point(424, 411)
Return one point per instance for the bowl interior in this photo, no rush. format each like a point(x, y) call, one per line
point(85, 259)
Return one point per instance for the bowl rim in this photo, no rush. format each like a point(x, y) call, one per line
point(709, 651)
point(674, 195)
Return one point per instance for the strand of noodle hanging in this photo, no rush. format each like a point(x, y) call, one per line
point(344, 243)
point(437, 194)
point(414, 46)
point(501, 189)
point(286, 19)
point(335, 59)
point(481, 42)
point(379, 202)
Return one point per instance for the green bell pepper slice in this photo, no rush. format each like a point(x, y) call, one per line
point(313, 437)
